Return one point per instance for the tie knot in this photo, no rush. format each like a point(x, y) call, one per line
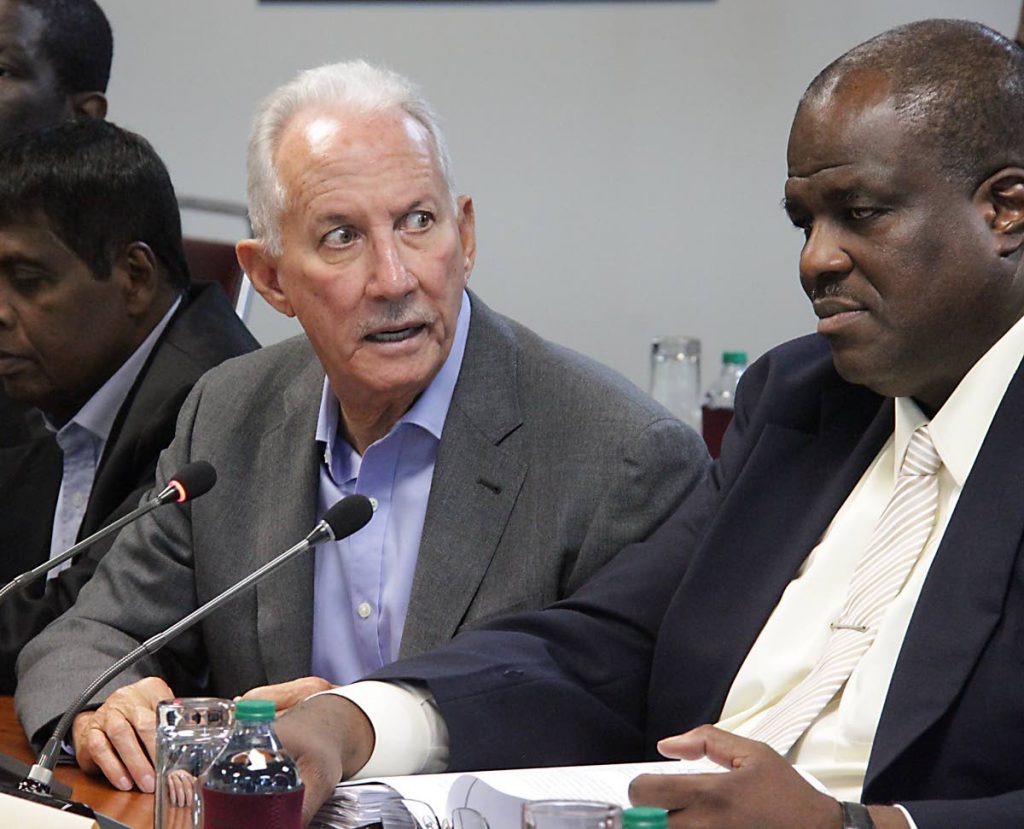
point(921, 457)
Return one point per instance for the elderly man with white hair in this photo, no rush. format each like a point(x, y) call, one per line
point(505, 470)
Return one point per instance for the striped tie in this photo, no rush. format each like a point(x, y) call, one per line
point(883, 569)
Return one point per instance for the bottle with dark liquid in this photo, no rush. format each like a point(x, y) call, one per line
point(716, 413)
point(253, 783)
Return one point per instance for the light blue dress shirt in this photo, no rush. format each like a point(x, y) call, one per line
point(362, 584)
point(83, 438)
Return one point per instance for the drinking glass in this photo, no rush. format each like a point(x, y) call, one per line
point(675, 377)
point(190, 733)
point(571, 814)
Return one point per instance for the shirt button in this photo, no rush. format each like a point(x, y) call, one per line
point(373, 503)
point(364, 610)
point(77, 499)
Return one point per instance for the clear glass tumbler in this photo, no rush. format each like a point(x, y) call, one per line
point(675, 377)
point(571, 814)
point(190, 733)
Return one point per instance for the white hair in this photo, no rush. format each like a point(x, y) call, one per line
point(353, 84)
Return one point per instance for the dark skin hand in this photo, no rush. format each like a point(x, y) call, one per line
point(329, 737)
point(761, 790)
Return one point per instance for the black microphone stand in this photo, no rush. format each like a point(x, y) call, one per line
point(344, 518)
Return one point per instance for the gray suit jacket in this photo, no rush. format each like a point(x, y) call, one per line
point(548, 465)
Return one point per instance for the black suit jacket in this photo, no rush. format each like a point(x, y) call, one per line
point(204, 332)
point(652, 644)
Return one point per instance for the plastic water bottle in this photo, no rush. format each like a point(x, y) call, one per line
point(253, 783)
point(719, 401)
point(644, 817)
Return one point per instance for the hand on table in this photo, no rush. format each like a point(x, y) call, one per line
point(285, 695)
point(761, 788)
point(118, 739)
point(329, 737)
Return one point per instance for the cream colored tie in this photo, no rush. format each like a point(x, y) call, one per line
point(894, 546)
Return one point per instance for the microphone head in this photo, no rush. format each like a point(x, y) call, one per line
point(193, 479)
point(350, 514)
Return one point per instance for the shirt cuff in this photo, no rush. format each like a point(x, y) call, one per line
point(906, 814)
point(410, 736)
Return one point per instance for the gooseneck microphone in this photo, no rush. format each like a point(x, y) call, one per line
point(192, 480)
point(344, 518)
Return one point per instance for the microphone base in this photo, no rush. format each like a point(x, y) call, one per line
point(13, 772)
point(52, 801)
point(63, 804)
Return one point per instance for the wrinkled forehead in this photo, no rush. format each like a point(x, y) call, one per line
point(344, 136)
point(843, 118)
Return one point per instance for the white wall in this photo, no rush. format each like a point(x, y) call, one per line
point(626, 159)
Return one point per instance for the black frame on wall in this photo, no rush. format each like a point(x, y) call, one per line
point(455, 2)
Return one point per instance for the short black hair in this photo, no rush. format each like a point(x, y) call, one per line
point(99, 188)
point(958, 84)
point(78, 43)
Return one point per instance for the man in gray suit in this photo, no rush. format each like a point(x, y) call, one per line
point(506, 470)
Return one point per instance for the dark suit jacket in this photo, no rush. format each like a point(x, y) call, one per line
point(652, 644)
point(203, 332)
point(548, 464)
point(16, 427)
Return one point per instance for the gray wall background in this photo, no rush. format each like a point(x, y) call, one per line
point(626, 159)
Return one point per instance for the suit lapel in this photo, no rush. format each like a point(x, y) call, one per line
point(289, 457)
point(203, 332)
point(791, 487)
point(962, 598)
point(475, 485)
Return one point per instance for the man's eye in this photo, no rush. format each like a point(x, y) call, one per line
point(417, 220)
point(859, 214)
point(25, 280)
point(340, 237)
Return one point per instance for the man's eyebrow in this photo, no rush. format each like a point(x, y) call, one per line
point(843, 195)
point(836, 196)
point(790, 205)
point(11, 48)
point(427, 202)
point(11, 260)
point(333, 220)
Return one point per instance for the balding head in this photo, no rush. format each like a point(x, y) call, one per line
point(958, 85)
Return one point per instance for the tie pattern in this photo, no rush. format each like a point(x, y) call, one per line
point(883, 569)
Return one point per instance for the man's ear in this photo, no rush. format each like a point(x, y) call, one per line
point(89, 104)
point(260, 265)
point(465, 215)
point(1001, 197)
point(140, 278)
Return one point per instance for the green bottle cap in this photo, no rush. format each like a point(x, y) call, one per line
point(644, 817)
point(735, 357)
point(254, 709)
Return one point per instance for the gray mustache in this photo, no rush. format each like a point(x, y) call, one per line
point(400, 311)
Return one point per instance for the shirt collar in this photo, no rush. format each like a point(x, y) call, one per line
point(99, 412)
point(959, 427)
point(430, 409)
